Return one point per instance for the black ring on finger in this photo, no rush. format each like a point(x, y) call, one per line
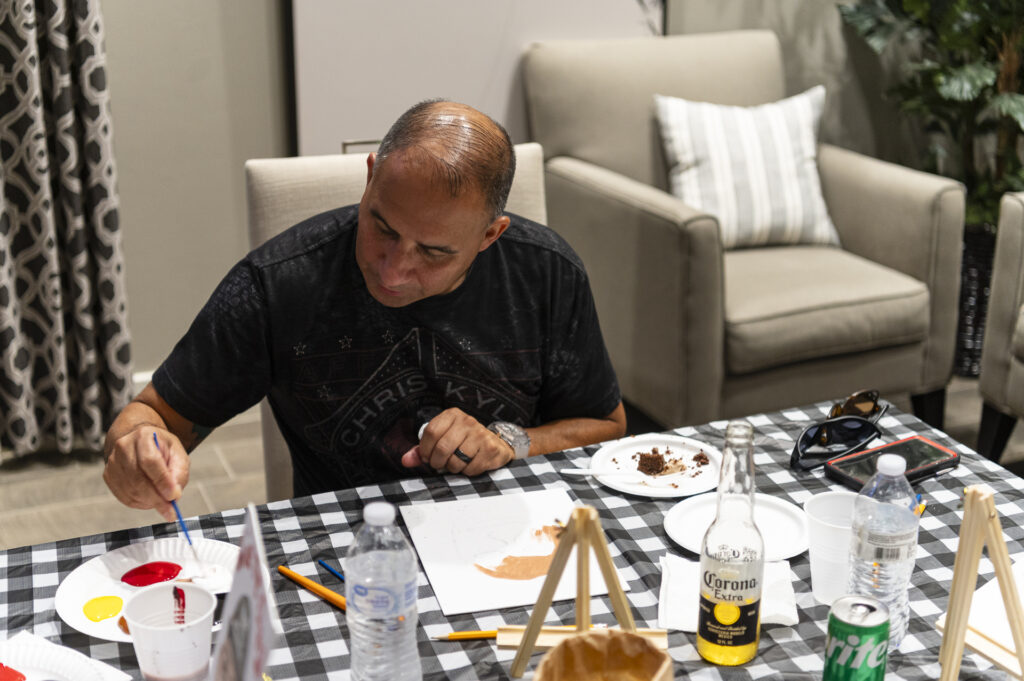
point(458, 454)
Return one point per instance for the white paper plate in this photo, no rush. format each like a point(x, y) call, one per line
point(42, 662)
point(101, 576)
point(783, 525)
point(618, 456)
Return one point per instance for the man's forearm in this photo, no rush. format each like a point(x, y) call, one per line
point(576, 432)
point(148, 408)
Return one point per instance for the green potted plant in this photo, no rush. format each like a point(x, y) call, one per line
point(961, 76)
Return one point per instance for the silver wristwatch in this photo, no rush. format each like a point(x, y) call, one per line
point(514, 435)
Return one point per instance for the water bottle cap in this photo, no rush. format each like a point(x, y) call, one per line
point(379, 513)
point(891, 464)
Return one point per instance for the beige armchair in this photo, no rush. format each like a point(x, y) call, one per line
point(1002, 356)
point(284, 191)
point(696, 332)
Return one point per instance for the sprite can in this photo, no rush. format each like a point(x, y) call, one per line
point(858, 639)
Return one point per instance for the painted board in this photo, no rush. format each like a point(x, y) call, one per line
point(493, 552)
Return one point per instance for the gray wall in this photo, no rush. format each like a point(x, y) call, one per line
point(359, 64)
point(197, 87)
point(816, 48)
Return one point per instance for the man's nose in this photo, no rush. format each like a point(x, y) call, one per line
point(396, 265)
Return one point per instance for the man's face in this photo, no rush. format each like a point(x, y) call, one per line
point(414, 240)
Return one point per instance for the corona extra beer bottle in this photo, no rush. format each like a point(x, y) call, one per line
point(732, 560)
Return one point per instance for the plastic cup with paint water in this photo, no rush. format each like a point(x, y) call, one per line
point(829, 522)
point(171, 639)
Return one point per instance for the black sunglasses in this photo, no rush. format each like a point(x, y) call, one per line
point(826, 440)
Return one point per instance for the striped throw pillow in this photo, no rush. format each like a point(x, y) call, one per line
point(754, 168)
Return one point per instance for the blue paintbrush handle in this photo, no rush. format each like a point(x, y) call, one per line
point(332, 570)
point(181, 522)
point(174, 504)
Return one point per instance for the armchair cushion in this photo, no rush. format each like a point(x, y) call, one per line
point(754, 168)
point(795, 303)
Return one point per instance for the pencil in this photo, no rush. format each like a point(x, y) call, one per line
point(467, 635)
point(493, 633)
point(332, 570)
point(323, 592)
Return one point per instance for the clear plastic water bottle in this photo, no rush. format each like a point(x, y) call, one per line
point(884, 542)
point(380, 587)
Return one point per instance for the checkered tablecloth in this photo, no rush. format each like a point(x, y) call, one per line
point(315, 644)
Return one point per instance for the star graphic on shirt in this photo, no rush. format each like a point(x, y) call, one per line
point(465, 343)
point(389, 338)
point(300, 349)
point(345, 342)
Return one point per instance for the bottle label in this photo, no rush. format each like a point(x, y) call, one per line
point(876, 547)
point(382, 601)
point(728, 623)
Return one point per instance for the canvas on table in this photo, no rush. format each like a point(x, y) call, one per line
point(494, 552)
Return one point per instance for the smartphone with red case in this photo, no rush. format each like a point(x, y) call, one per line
point(924, 457)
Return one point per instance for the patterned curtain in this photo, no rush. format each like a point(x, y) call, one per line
point(65, 352)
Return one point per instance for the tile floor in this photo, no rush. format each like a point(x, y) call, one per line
point(47, 497)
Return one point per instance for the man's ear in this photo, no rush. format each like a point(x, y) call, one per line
point(494, 230)
point(370, 160)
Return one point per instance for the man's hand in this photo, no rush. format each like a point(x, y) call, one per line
point(141, 475)
point(456, 442)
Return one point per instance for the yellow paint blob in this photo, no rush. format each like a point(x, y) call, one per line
point(103, 607)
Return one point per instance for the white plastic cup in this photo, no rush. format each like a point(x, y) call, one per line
point(829, 527)
point(167, 651)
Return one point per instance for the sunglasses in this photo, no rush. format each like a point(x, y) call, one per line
point(849, 428)
point(863, 403)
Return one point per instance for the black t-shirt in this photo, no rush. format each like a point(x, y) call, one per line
point(350, 381)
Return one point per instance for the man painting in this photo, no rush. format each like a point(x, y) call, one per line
point(425, 304)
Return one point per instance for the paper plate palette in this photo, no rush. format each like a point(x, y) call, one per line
point(783, 525)
point(617, 459)
point(101, 576)
point(43, 662)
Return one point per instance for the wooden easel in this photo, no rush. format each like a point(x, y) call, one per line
point(980, 526)
point(583, 531)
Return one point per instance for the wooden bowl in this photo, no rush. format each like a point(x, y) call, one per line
point(605, 655)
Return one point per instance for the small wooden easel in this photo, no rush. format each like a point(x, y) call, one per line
point(583, 531)
point(980, 526)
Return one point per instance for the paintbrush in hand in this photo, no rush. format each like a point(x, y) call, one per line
point(181, 524)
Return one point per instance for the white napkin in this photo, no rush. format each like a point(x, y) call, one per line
point(26, 638)
point(679, 598)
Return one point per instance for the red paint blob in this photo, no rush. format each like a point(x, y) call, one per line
point(8, 674)
point(179, 605)
point(150, 573)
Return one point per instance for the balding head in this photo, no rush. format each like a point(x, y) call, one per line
point(462, 148)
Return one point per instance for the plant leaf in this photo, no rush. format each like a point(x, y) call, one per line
point(966, 82)
point(874, 22)
point(1008, 104)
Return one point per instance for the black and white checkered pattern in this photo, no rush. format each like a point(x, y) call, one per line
point(315, 646)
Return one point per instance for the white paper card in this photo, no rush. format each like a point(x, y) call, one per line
point(250, 614)
point(494, 552)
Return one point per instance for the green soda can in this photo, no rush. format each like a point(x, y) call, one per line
point(857, 645)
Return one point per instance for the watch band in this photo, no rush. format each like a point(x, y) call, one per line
point(515, 436)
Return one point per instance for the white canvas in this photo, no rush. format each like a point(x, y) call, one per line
point(452, 538)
